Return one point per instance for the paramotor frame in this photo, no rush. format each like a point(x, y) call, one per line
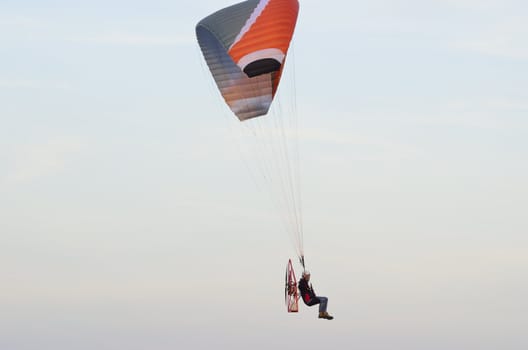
point(290, 289)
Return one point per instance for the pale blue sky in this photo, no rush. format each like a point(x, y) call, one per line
point(128, 220)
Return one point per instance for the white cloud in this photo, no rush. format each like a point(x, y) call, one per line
point(133, 39)
point(362, 145)
point(33, 84)
point(506, 38)
point(17, 20)
point(18, 28)
point(29, 162)
point(497, 46)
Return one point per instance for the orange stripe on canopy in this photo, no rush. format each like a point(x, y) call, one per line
point(272, 29)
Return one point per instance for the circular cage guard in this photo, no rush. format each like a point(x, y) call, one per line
point(290, 290)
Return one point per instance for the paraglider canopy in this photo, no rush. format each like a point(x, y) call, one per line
point(245, 47)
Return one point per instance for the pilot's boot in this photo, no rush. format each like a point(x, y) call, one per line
point(325, 315)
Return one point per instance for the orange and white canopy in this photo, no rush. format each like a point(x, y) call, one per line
point(245, 47)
